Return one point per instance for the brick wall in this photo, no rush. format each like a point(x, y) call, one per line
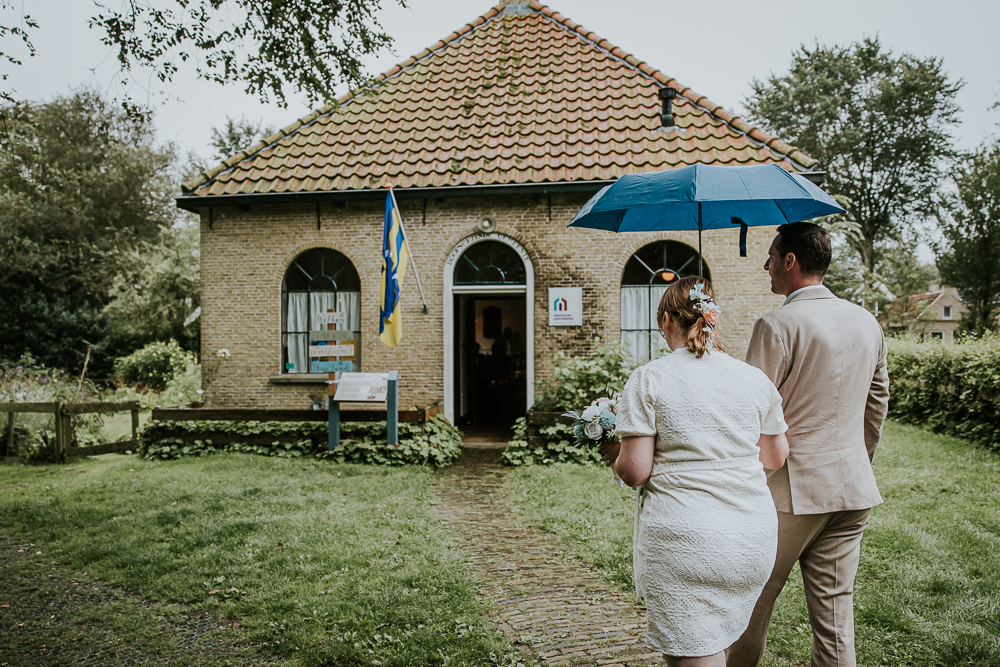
point(245, 251)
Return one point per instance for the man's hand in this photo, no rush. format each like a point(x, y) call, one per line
point(609, 452)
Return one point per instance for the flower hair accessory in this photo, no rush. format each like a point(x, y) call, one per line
point(709, 310)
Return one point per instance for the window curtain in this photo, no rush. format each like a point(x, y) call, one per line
point(297, 324)
point(639, 331)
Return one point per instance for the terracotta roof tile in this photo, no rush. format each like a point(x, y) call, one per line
point(508, 98)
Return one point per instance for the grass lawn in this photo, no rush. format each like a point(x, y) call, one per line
point(928, 592)
point(292, 562)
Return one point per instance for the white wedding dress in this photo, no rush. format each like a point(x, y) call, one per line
point(707, 530)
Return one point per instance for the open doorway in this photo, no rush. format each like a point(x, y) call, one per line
point(491, 362)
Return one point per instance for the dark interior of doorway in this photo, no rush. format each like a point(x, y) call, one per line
point(490, 368)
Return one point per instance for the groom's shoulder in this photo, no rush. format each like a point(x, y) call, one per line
point(818, 311)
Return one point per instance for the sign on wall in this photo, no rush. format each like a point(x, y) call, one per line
point(565, 306)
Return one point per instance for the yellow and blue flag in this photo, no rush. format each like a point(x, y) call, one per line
point(395, 255)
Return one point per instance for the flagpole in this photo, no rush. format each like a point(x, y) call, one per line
point(416, 274)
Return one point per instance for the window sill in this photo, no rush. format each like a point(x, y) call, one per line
point(299, 378)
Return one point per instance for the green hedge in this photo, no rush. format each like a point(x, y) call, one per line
point(435, 443)
point(574, 383)
point(952, 389)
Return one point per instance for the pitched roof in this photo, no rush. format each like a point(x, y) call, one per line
point(520, 95)
point(932, 296)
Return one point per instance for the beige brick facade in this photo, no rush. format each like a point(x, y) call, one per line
point(245, 252)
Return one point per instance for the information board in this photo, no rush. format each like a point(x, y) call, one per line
point(362, 387)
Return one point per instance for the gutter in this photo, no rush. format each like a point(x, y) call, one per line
point(190, 202)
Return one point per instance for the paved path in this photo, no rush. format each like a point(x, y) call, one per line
point(544, 597)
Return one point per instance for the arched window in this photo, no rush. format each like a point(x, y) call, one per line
point(644, 280)
point(489, 263)
point(317, 281)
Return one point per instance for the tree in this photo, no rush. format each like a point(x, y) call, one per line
point(969, 253)
point(881, 126)
point(227, 142)
point(267, 45)
point(82, 186)
point(237, 135)
point(160, 299)
point(79, 182)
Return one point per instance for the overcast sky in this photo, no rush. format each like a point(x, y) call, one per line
point(715, 48)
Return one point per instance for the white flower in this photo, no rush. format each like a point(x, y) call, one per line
point(223, 354)
point(201, 391)
point(593, 431)
point(592, 411)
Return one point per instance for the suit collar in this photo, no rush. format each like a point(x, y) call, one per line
point(819, 292)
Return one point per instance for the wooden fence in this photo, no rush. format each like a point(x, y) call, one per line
point(535, 419)
point(66, 442)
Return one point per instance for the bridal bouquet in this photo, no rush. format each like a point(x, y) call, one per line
point(595, 425)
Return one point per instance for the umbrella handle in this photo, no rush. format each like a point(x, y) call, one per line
point(743, 235)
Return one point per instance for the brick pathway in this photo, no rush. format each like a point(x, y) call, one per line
point(544, 597)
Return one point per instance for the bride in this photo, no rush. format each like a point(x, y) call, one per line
point(696, 430)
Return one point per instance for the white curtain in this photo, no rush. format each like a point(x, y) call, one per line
point(639, 330)
point(297, 321)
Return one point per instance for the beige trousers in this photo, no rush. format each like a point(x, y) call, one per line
point(828, 548)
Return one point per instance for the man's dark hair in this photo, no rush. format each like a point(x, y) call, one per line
point(810, 244)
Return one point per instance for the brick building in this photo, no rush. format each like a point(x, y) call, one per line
point(493, 139)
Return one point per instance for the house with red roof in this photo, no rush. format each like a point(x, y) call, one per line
point(492, 138)
point(935, 314)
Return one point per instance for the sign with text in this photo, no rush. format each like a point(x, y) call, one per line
point(331, 335)
point(362, 387)
point(338, 319)
point(565, 306)
point(343, 350)
point(317, 366)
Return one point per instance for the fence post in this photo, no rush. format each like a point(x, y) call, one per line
point(60, 445)
point(8, 440)
point(135, 426)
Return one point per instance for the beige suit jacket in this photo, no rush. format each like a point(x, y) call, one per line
point(826, 356)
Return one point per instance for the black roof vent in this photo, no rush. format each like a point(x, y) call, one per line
point(667, 94)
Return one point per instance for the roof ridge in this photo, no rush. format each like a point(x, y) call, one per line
point(732, 120)
point(736, 123)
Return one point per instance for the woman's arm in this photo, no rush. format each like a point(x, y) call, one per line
point(632, 459)
point(773, 450)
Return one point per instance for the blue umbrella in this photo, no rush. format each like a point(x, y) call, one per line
point(705, 197)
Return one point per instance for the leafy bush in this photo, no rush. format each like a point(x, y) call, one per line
point(951, 389)
point(154, 365)
point(26, 381)
point(435, 443)
point(29, 382)
point(574, 383)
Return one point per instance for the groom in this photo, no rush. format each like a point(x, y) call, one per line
point(827, 358)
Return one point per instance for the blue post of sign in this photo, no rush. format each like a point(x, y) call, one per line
point(392, 409)
point(334, 437)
